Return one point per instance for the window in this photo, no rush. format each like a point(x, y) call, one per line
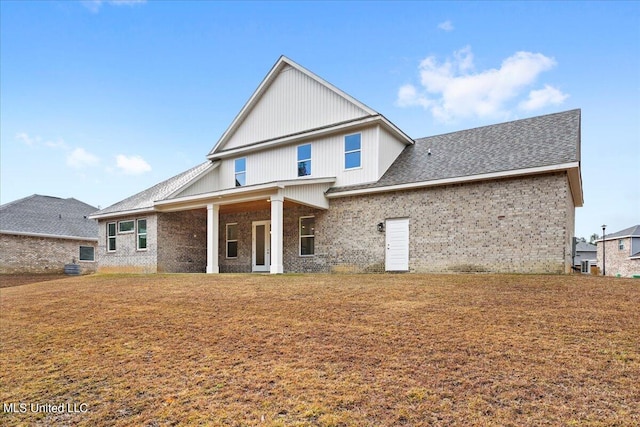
point(620, 244)
point(352, 150)
point(241, 172)
point(87, 253)
point(111, 237)
point(307, 235)
point(232, 240)
point(125, 227)
point(585, 266)
point(142, 234)
point(304, 160)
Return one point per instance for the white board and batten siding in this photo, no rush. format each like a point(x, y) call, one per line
point(397, 244)
point(327, 160)
point(293, 103)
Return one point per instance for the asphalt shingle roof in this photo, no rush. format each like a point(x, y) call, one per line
point(633, 231)
point(586, 247)
point(48, 215)
point(534, 142)
point(145, 199)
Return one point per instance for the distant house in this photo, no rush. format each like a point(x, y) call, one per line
point(586, 257)
point(40, 234)
point(621, 252)
point(308, 179)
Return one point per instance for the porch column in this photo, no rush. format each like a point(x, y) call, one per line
point(213, 219)
point(276, 233)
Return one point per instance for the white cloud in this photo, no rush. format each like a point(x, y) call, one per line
point(541, 98)
point(79, 158)
point(132, 165)
point(26, 139)
point(57, 144)
point(446, 26)
point(95, 5)
point(453, 89)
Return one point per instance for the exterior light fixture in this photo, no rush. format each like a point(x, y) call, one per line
point(381, 227)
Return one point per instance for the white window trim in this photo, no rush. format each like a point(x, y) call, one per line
point(227, 240)
point(300, 236)
point(127, 232)
point(359, 150)
point(303, 160)
point(80, 252)
point(138, 234)
point(115, 229)
point(621, 244)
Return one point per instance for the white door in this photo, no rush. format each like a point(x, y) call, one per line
point(397, 241)
point(261, 246)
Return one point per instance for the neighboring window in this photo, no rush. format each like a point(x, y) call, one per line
point(621, 244)
point(87, 253)
point(352, 151)
point(142, 234)
point(111, 237)
point(304, 160)
point(125, 227)
point(307, 235)
point(584, 266)
point(241, 172)
point(232, 240)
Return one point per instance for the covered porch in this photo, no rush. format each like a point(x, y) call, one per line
point(252, 228)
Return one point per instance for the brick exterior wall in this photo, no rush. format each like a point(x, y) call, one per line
point(522, 225)
point(127, 258)
point(182, 238)
point(29, 254)
point(617, 261)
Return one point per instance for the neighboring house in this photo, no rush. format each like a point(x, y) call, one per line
point(586, 257)
point(308, 179)
point(621, 252)
point(40, 234)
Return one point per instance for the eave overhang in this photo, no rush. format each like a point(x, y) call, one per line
point(48, 236)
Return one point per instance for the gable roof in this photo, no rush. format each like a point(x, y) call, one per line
point(48, 216)
point(143, 201)
point(633, 231)
point(308, 109)
point(586, 247)
point(537, 142)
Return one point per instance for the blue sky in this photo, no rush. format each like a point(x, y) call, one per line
point(102, 99)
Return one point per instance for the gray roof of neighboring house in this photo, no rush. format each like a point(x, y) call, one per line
point(633, 231)
point(49, 216)
point(586, 247)
point(145, 199)
point(528, 143)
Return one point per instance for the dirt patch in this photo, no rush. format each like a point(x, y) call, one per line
point(8, 280)
point(323, 350)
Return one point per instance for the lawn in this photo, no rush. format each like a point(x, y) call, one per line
point(321, 350)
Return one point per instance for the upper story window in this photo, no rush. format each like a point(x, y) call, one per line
point(241, 171)
point(620, 244)
point(352, 151)
point(304, 160)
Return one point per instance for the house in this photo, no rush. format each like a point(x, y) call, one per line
point(585, 257)
point(621, 252)
point(308, 179)
point(40, 234)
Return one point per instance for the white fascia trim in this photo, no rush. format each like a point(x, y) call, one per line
point(123, 213)
point(456, 180)
point(608, 239)
point(299, 137)
point(205, 198)
point(51, 236)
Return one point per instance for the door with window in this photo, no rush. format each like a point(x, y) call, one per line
point(261, 246)
point(397, 244)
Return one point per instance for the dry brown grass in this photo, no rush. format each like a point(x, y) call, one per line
point(324, 350)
